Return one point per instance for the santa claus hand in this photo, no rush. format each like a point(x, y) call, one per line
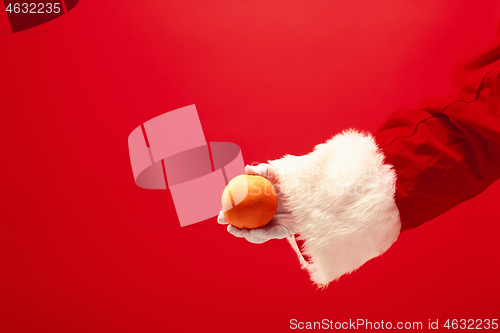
point(280, 226)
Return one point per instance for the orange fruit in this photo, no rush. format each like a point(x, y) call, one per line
point(249, 201)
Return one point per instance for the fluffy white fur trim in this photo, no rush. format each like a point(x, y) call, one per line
point(342, 198)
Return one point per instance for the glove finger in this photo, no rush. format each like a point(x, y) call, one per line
point(259, 233)
point(276, 229)
point(256, 240)
point(221, 219)
point(263, 169)
point(234, 231)
point(259, 170)
point(279, 232)
point(255, 236)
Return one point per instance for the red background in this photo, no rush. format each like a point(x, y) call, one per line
point(83, 249)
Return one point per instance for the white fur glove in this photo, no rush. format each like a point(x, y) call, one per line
point(281, 225)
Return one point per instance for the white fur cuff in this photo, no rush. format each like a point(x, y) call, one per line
point(342, 198)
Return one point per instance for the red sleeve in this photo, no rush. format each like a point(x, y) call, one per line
point(448, 150)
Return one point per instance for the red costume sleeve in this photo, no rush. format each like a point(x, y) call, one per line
point(448, 150)
point(353, 195)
